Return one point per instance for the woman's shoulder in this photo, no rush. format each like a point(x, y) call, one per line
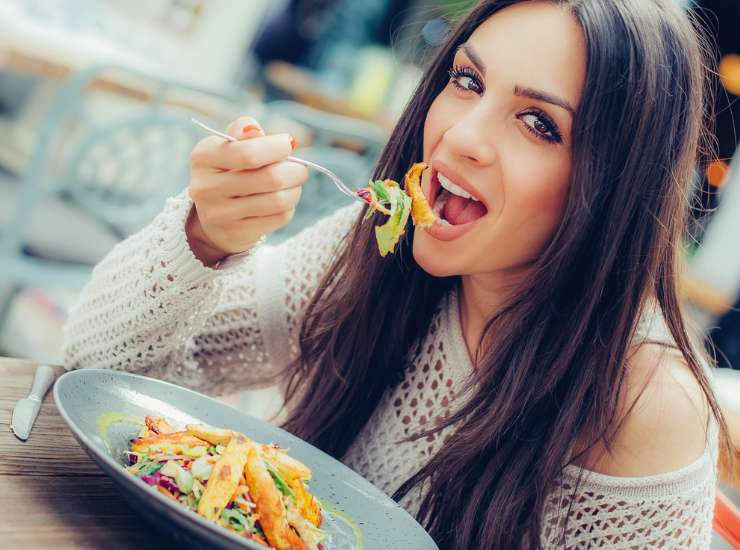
point(664, 422)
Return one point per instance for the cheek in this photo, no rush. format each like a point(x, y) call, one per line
point(552, 186)
point(535, 200)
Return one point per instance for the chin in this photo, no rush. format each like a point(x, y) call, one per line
point(429, 259)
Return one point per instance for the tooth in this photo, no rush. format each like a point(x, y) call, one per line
point(453, 187)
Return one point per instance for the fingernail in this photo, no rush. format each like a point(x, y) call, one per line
point(251, 128)
point(292, 143)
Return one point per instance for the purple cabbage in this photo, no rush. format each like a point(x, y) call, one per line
point(152, 479)
point(157, 479)
point(167, 483)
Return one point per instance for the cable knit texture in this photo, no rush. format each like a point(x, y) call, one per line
point(152, 308)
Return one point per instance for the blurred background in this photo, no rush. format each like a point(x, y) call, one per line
point(95, 106)
point(96, 98)
point(95, 101)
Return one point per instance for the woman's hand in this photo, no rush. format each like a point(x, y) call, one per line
point(241, 190)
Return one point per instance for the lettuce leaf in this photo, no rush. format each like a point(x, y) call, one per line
point(391, 231)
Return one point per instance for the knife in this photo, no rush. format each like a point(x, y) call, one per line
point(26, 410)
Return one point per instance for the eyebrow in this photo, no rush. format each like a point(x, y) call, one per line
point(544, 96)
point(522, 91)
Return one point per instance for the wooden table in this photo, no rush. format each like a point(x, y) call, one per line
point(51, 493)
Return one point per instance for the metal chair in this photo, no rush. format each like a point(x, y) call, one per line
point(113, 145)
point(330, 129)
point(726, 520)
point(726, 513)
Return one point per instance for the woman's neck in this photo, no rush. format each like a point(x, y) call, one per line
point(480, 297)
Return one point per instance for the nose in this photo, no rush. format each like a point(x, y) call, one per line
point(469, 139)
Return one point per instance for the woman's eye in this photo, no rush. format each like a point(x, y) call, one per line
point(466, 80)
point(541, 126)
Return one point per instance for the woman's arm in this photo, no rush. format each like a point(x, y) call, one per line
point(663, 420)
point(655, 486)
point(152, 308)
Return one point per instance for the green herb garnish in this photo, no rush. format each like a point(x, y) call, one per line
point(279, 481)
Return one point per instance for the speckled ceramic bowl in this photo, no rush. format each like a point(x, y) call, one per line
point(358, 514)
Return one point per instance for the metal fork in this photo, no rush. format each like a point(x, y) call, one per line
point(331, 175)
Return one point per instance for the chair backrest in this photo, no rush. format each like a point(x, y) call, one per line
point(727, 520)
point(115, 142)
point(330, 128)
point(121, 173)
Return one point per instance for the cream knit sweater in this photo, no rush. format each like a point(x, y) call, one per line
point(152, 308)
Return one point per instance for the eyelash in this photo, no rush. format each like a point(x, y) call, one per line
point(457, 72)
point(552, 134)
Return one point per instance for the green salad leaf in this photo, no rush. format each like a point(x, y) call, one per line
point(279, 481)
point(148, 467)
point(235, 519)
point(378, 186)
point(391, 231)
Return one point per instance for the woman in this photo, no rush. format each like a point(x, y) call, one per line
point(519, 375)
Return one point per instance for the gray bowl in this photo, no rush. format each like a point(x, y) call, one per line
point(359, 514)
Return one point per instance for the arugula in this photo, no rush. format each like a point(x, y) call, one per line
point(279, 481)
point(148, 467)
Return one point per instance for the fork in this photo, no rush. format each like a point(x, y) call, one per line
point(331, 175)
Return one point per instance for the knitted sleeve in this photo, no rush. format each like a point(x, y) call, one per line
point(152, 308)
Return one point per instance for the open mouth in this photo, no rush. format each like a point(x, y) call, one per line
point(452, 204)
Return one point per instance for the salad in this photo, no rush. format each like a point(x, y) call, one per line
point(254, 490)
point(387, 197)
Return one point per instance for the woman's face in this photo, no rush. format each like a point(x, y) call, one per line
point(501, 131)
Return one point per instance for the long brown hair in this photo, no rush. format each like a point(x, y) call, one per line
point(553, 369)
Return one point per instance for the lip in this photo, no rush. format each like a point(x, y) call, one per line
point(449, 232)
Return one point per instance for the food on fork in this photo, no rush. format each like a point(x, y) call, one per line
point(421, 211)
point(387, 197)
point(255, 490)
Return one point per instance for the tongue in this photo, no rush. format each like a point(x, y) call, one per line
point(458, 210)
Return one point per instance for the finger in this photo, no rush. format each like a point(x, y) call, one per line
point(244, 233)
point(250, 154)
point(280, 175)
point(244, 127)
point(267, 224)
point(261, 205)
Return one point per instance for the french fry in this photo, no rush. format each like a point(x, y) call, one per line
point(288, 466)
point(145, 432)
point(158, 425)
point(307, 505)
point(421, 211)
point(269, 501)
point(172, 443)
point(295, 541)
point(310, 535)
point(224, 478)
point(215, 436)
